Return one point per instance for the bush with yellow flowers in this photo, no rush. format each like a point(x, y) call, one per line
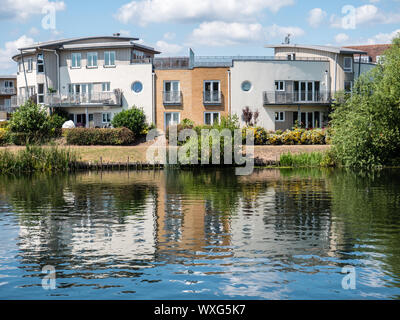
point(260, 135)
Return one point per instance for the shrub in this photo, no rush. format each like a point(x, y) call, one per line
point(260, 135)
point(314, 159)
point(30, 119)
point(134, 119)
point(4, 124)
point(87, 137)
point(3, 136)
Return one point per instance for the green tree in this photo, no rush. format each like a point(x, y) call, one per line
point(133, 119)
point(30, 118)
point(366, 127)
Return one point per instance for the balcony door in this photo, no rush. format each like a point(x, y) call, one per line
point(82, 93)
point(306, 91)
point(172, 119)
point(171, 91)
point(212, 91)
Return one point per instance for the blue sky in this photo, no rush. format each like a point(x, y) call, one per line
point(210, 27)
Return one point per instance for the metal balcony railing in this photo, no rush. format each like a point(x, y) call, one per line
point(172, 97)
point(65, 100)
point(296, 97)
point(212, 97)
point(7, 91)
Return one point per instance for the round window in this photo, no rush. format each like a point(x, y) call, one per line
point(137, 87)
point(246, 86)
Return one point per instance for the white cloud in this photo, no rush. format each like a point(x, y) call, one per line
point(316, 17)
point(183, 11)
point(367, 14)
point(169, 36)
point(219, 33)
point(341, 38)
point(23, 9)
point(383, 37)
point(168, 48)
point(34, 31)
point(10, 49)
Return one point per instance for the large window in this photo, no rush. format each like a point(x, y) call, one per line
point(279, 85)
point(92, 59)
point(348, 64)
point(8, 84)
point(40, 63)
point(107, 117)
point(172, 92)
point(76, 60)
point(307, 91)
point(211, 118)
point(40, 95)
point(109, 59)
point(212, 92)
point(280, 116)
point(30, 65)
point(105, 87)
point(172, 118)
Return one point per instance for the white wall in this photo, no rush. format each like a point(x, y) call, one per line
point(262, 75)
point(121, 77)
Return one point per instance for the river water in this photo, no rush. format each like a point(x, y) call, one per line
point(277, 234)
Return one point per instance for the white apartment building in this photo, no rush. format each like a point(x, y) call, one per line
point(92, 78)
point(296, 86)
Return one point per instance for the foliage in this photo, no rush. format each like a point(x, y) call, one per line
point(30, 118)
point(3, 136)
point(87, 137)
point(314, 159)
point(33, 159)
point(134, 119)
point(260, 135)
point(366, 127)
point(4, 124)
point(250, 117)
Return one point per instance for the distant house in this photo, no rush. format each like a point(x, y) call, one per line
point(91, 78)
point(8, 85)
point(374, 52)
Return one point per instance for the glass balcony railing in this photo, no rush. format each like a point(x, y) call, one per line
point(296, 97)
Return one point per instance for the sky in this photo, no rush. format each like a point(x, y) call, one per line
point(209, 27)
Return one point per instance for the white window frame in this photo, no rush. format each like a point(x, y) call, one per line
point(76, 55)
point(40, 95)
point(107, 86)
point(30, 65)
point(279, 118)
point(40, 64)
point(105, 114)
point(172, 116)
point(109, 53)
point(212, 89)
point(279, 82)
point(348, 70)
point(89, 58)
point(212, 117)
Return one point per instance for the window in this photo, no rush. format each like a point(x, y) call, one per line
point(109, 58)
point(291, 56)
point(7, 102)
point(211, 118)
point(212, 93)
point(40, 95)
point(105, 87)
point(76, 60)
point(40, 63)
point(280, 116)
point(172, 92)
point(307, 91)
point(348, 64)
point(348, 86)
point(30, 65)
point(9, 84)
point(107, 117)
point(380, 59)
point(246, 86)
point(172, 118)
point(137, 87)
point(92, 59)
point(279, 85)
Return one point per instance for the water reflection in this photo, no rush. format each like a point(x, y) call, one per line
point(190, 235)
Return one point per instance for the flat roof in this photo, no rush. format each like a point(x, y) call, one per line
point(8, 76)
point(332, 49)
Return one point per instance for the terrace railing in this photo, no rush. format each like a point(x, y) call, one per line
point(212, 97)
point(7, 91)
point(296, 97)
point(172, 97)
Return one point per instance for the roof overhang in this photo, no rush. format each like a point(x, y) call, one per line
point(338, 50)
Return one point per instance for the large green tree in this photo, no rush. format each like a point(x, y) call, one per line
point(366, 127)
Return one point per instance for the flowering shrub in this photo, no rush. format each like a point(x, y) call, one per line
point(260, 135)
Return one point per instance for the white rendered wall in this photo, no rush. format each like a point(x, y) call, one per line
point(262, 75)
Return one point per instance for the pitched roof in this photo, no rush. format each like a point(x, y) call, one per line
point(339, 50)
point(373, 50)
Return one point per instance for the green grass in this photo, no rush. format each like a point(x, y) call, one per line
point(37, 159)
point(313, 159)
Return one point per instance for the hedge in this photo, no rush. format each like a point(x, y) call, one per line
point(92, 137)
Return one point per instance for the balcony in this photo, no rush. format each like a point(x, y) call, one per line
point(7, 91)
point(296, 97)
point(212, 98)
point(172, 98)
point(94, 99)
point(7, 108)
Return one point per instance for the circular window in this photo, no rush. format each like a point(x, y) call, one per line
point(246, 86)
point(137, 87)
